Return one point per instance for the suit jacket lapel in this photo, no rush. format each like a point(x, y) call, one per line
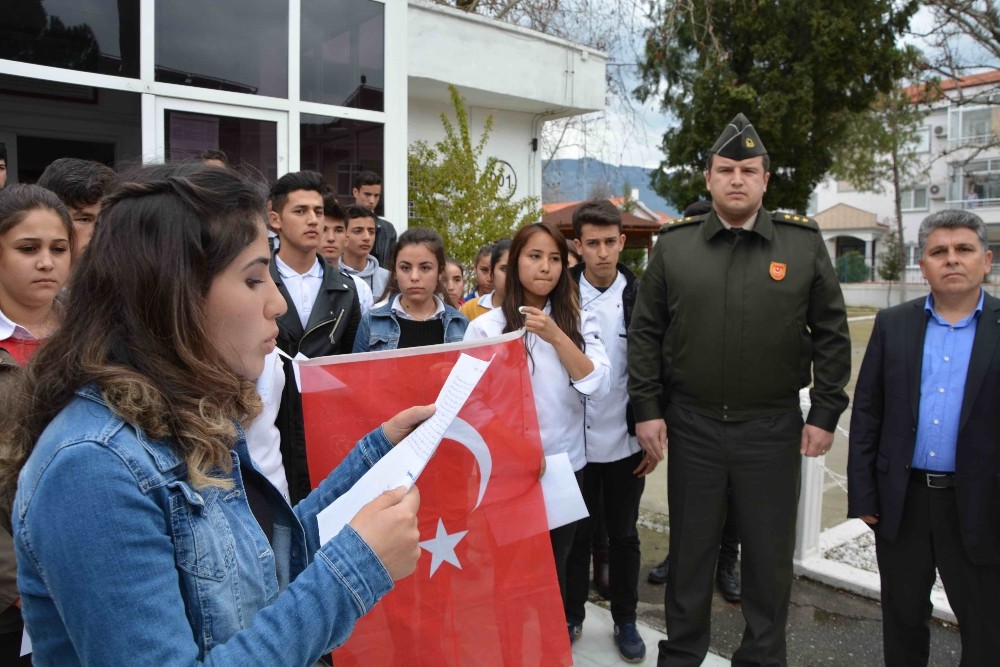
point(983, 349)
point(916, 328)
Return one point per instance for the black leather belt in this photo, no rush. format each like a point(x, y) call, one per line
point(933, 480)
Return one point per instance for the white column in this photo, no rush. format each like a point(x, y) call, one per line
point(396, 111)
point(810, 512)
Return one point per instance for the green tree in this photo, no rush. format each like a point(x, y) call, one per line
point(878, 153)
point(891, 262)
point(629, 205)
point(635, 259)
point(797, 68)
point(851, 267)
point(458, 193)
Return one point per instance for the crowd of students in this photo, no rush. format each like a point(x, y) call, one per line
point(141, 318)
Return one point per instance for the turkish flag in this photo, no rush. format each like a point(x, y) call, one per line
point(485, 590)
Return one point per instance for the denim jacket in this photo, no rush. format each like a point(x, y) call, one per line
point(123, 562)
point(379, 329)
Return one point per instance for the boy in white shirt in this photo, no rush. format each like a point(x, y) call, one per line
point(323, 309)
point(616, 465)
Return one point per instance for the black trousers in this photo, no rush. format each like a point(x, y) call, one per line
point(729, 549)
point(621, 490)
point(562, 543)
point(760, 460)
point(929, 537)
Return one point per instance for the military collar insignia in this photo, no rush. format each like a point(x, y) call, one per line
point(796, 220)
point(682, 222)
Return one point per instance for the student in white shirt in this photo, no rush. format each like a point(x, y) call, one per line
point(566, 357)
point(323, 306)
point(263, 435)
point(613, 479)
point(332, 242)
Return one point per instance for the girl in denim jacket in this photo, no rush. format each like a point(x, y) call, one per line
point(417, 310)
point(144, 533)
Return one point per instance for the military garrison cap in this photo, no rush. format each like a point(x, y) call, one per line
point(739, 141)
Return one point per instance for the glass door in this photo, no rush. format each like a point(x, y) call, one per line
point(254, 140)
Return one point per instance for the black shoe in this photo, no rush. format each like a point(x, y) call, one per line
point(631, 648)
point(728, 581)
point(658, 573)
point(575, 630)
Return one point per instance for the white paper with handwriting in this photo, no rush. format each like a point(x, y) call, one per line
point(403, 465)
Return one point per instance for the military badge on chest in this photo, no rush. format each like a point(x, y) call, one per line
point(778, 270)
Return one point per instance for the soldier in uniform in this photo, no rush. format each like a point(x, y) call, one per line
point(739, 309)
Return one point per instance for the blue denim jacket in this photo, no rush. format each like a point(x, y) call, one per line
point(123, 562)
point(379, 329)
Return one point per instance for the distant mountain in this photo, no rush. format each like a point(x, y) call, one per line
point(575, 180)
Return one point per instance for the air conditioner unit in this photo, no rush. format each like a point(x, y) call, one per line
point(937, 191)
point(939, 131)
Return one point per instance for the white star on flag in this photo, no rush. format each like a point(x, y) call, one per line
point(442, 547)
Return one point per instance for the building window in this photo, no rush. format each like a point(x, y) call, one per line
point(978, 182)
point(239, 46)
point(343, 53)
point(45, 120)
point(100, 36)
point(971, 123)
point(922, 140)
point(251, 143)
point(340, 149)
point(914, 199)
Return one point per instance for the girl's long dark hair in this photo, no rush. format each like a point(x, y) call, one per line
point(434, 243)
point(135, 325)
point(563, 298)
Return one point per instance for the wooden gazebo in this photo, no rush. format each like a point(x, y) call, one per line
point(639, 232)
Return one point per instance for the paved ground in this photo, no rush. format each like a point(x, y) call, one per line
point(825, 626)
point(596, 648)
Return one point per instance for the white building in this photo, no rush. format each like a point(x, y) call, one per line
point(963, 171)
point(338, 86)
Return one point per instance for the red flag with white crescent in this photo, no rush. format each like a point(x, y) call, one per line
point(485, 590)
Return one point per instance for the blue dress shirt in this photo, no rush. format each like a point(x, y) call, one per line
point(947, 350)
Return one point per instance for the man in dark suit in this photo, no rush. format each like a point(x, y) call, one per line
point(924, 464)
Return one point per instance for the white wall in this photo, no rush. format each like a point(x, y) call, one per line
point(532, 71)
point(520, 77)
point(877, 295)
point(510, 139)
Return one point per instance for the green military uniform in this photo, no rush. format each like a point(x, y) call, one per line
point(728, 326)
point(731, 329)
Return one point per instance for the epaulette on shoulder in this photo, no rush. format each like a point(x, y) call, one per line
point(795, 220)
point(682, 222)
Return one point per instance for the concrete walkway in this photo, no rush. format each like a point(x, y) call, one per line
point(596, 646)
